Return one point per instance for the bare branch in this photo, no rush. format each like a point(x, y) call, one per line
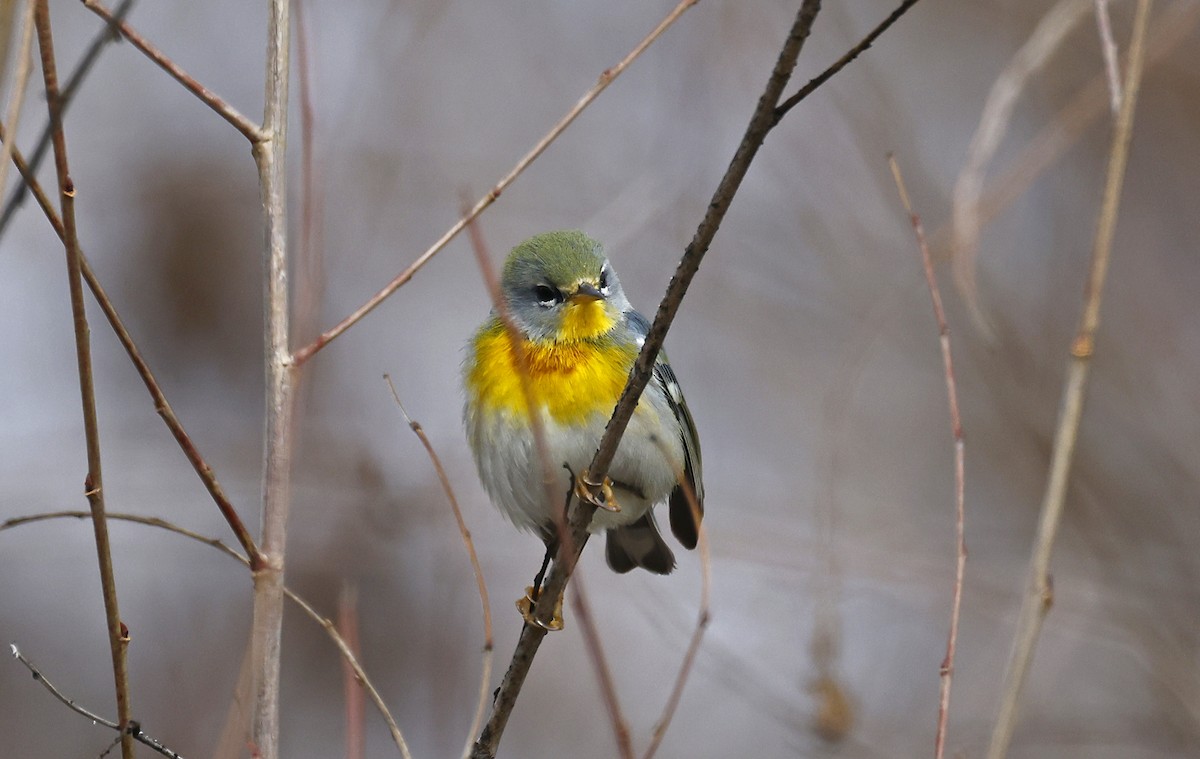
point(606, 78)
point(1038, 594)
point(702, 619)
point(248, 128)
point(956, 431)
point(118, 637)
point(134, 729)
point(760, 124)
point(269, 156)
point(488, 644)
point(1108, 46)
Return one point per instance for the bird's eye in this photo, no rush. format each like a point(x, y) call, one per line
point(547, 296)
point(604, 281)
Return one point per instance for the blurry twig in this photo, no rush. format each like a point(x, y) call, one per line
point(20, 81)
point(1038, 595)
point(248, 128)
point(134, 729)
point(326, 624)
point(1108, 47)
point(347, 625)
point(161, 405)
point(760, 125)
point(703, 617)
point(118, 636)
point(1168, 31)
point(269, 152)
point(956, 429)
point(488, 645)
point(993, 123)
point(591, 635)
point(606, 78)
point(310, 279)
point(82, 69)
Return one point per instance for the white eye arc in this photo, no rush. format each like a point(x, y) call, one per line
point(605, 287)
point(547, 297)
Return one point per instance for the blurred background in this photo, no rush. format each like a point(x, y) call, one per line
point(807, 348)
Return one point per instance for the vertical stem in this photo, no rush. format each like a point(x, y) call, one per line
point(269, 152)
point(1038, 591)
point(118, 639)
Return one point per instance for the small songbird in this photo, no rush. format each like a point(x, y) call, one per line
point(580, 338)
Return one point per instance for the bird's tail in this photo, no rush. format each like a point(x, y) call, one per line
point(639, 545)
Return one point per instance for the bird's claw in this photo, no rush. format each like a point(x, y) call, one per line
point(527, 606)
point(584, 491)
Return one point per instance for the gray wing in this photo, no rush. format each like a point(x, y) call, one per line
point(684, 524)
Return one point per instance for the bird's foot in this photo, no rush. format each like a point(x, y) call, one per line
point(584, 491)
point(527, 606)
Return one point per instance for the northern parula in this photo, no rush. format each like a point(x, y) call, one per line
point(581, 337)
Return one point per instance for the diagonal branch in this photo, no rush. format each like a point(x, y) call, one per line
point(118, 637)
point(606, 78)
point(1038, 594)
point(760, 125)
point(226, 111)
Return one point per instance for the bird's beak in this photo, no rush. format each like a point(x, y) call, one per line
point(586, 292)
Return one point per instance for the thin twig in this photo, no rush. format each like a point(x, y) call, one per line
point(347, 625)
point(80, 72)
point(1038, 595)
point(329, 627)
point(579, 598)
point(244, 125)
point(956, 430)
point(310, 280)
point(269, 156)
point(606, 78)
point(161, 405)
point(866, 42)
point(20, 81)
point(134, 730)
point(485, 678)
point(760, 124)
point(118, 637)
point(703, 617)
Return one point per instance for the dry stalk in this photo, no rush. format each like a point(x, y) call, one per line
point(956, 431)
point(702, 618)
point(485, 677)
point(118, 636)
point(1036, 601)
point(269, 156)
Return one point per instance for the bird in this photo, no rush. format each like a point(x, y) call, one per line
point(579, 337)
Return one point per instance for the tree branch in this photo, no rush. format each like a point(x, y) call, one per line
point(761, 122)
point(1038, 594)
point(269, 152)
point(118, 637)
